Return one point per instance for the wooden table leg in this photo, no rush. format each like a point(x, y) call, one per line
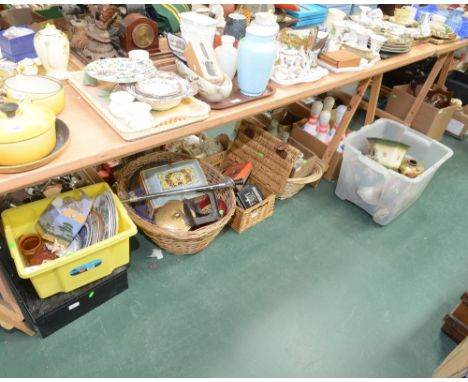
point(10, 313)
point(424, 90)
point(348, 116)
point(374, 98)
point(445, 70)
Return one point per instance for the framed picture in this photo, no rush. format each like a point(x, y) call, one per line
point(174, 176)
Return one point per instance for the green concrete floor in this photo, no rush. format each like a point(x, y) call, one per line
point(318, 290)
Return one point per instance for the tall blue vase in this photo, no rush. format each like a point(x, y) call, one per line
point(256, 56)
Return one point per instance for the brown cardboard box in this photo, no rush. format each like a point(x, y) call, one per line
point(456, 363)
point(312, 144)
point(20, 16)
point(428, 120)
point(458, 125)
point(25, 16)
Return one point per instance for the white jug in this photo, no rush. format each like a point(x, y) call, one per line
point(53, 49)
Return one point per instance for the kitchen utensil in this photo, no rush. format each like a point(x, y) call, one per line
point(62, 141)
point(27, 133)
point(40, 90)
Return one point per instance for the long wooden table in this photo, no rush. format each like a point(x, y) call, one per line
point(93, 141)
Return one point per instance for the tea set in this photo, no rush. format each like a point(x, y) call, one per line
point(298, 54)
point(357, 38)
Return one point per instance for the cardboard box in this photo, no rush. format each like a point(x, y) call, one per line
point(25, 16)
point(428, 120)
point(456, 363)
point(310, 145)
point(458, 125)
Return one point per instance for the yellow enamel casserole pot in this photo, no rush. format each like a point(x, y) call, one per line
point(27, 133)
point(40, 90)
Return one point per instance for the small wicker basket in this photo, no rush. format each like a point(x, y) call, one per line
point(216, 160)
point(295, 184)
point(272, 161)
point(175, 242)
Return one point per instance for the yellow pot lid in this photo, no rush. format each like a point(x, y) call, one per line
point(24, 121)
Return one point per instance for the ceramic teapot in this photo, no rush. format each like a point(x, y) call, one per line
point(53, 49)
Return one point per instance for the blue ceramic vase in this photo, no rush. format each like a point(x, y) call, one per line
point(257, 53)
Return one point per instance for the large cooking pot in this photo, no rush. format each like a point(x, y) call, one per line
point(40, 90)
point(27, 133)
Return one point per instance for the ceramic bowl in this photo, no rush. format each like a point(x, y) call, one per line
point(209, 91)
point(41, 90)
point(163, 91)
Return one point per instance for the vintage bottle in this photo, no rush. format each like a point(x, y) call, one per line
point(226, 55)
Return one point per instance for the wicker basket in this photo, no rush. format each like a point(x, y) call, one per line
point(216, 160)
point(294, 185)
point(176, 242)
point(272, 161)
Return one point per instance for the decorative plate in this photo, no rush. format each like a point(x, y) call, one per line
point(63, 140)
point(104, 205)
point(163, 85)
point(314, 75)
point(120, 70)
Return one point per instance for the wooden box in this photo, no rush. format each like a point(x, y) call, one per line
point(456, 322)
point(272, 161)
point(341, 59)
point(428, 120)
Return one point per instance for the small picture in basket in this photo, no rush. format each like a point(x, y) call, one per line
point(174, 176)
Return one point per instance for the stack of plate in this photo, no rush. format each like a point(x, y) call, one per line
point(102, 221)
point(396, 47)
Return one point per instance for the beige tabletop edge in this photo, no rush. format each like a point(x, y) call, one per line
point(93, 141)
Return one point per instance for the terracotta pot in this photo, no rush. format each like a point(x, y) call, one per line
point(29, 244)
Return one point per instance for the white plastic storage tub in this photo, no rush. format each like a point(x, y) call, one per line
point(385, 193)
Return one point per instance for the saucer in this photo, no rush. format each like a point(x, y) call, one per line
point(63, 140)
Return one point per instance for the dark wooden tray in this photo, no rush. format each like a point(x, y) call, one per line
point(237, 98)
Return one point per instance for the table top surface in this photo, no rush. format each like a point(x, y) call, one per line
point(93, 141)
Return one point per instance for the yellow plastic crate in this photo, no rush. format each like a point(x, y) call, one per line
point(77, 269)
